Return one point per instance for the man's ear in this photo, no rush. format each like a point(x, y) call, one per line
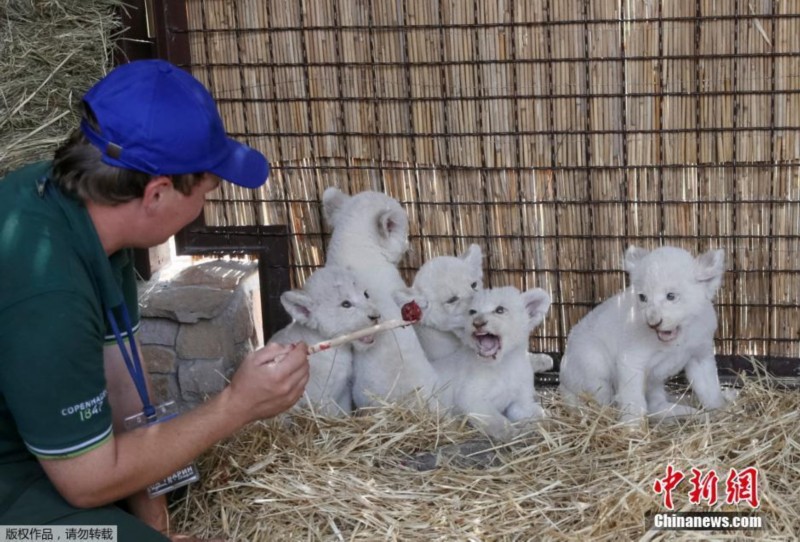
point(155, 191)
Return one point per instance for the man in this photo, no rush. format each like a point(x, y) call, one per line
point(149, 148)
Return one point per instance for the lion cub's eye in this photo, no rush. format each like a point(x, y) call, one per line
point(452, 300)
point(642, 298)
point(346, 304)
point(671, 296)
point(366, 294)
point(500, 310)
point(474, 285)
point(472, 312)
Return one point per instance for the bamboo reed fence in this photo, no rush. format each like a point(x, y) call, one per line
point(553, 133)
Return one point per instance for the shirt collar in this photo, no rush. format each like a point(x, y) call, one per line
point(87, 243)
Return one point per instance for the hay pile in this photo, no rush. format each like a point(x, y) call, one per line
point(51, 52)
point(581, 478)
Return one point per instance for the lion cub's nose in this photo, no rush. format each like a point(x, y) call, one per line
point(655, 326)
point(375, 316)
point(478, 323)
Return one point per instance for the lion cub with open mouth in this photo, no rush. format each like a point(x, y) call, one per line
point(489, 378)
point(625, 349)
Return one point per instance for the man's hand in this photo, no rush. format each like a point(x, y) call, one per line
point(270, 380)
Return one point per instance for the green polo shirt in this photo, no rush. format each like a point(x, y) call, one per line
point(55, 282)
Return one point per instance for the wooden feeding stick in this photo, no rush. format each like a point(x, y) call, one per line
point(410, 312)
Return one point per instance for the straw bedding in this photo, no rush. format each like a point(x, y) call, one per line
point(51, 52)
point(399, 474)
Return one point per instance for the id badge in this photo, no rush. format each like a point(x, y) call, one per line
point(182, 477)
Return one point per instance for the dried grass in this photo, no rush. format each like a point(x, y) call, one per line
point(578, 478)
point(51, 52)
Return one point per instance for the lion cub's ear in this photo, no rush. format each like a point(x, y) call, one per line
point(536, 301)
point(473, 257)
point(709, 268)
point(333, 200)
point(299, 305)
point(389, 223)
point(633, 257)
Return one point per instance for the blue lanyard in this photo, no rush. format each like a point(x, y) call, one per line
point(132, 360)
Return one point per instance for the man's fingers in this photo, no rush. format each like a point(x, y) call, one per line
point(292, 360)
point(271, 352)
point(297, 375)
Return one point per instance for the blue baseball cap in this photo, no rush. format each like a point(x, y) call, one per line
point(156, 118)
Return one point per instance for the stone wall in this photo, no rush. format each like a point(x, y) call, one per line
point(197, 325)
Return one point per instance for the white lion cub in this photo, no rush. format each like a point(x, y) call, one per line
point(331, 303)
point(370, 236)
point(624, 350)
point(445, 286)
point(489, 378)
